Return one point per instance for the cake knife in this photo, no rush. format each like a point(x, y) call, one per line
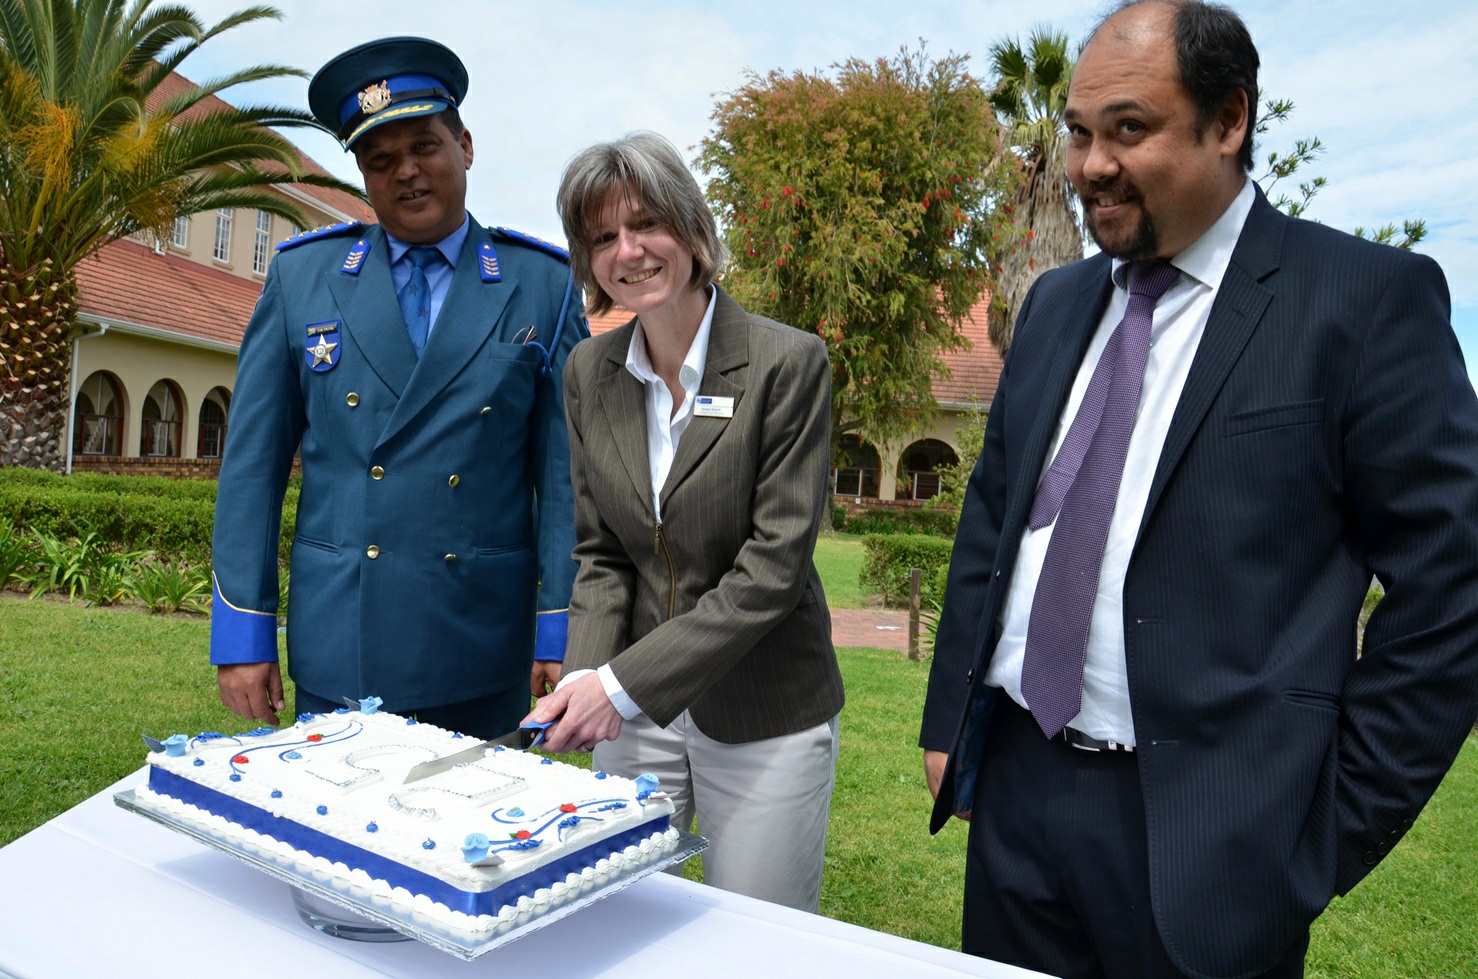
point(533, 733)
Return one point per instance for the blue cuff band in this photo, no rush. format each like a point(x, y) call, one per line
point(238, 635)
point(551, 632)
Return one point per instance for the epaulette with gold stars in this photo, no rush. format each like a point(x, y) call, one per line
point(548, 248)
point(327, 231)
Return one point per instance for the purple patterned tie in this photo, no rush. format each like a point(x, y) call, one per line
point(1079, 491)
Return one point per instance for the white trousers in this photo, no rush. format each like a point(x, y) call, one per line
point(762, 806)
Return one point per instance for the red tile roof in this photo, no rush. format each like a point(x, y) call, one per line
point(609, 320)
point(348, 204)
point(132, 283)
point(974, 373)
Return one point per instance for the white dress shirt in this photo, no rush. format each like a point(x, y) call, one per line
point(1179, 321)
point(664, 431)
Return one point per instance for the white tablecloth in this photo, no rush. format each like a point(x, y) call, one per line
point(100, 891)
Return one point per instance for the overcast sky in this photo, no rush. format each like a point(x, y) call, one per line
point(1387, 88)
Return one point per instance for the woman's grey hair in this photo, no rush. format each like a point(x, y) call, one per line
point(648, 169)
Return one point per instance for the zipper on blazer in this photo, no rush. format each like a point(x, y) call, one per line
point(658, 544)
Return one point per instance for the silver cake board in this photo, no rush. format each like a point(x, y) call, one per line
point(405, 921)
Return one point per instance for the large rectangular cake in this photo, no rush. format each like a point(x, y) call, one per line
point(470, 848)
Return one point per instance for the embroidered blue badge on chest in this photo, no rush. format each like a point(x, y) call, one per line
point(325, 345)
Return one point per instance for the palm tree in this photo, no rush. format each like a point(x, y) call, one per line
point(90, 152)
point(1038, 226)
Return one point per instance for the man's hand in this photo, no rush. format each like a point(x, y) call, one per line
point(252, 690)
point(544, 677)
point(583, 714)
point(934, 763)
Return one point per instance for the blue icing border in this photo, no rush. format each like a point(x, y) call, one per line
point(335, 850)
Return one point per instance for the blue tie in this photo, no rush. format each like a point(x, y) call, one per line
point(415, 296)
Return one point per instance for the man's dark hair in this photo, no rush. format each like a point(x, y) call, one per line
point(453, 120)
point(1216, 57)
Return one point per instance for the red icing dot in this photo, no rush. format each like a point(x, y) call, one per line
point(569, 807)
point(239, 760)
point(522, 834)
point(315, 737)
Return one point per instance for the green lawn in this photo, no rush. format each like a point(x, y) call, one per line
point(839, 561)
point(78, 685)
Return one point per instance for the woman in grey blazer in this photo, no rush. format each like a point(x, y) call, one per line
point(700, 641)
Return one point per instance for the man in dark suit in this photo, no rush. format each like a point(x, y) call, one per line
point(418, 362)
point(1146, 696)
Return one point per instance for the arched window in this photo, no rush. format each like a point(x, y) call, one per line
point(97, 418)
point(161, 421)
point(213, 424)
point(918, 468)
point(857, 470)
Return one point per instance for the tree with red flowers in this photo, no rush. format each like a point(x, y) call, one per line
point(857, 203)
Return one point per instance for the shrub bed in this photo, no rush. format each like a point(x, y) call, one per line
point(938, 523)
point(171, 518)
point(890, 556)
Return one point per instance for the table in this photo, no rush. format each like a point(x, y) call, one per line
point(101, 891)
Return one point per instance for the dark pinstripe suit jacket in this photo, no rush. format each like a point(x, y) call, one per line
point(1327, 432)
point(723, 614)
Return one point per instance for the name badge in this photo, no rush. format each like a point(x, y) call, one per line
point(710, 407)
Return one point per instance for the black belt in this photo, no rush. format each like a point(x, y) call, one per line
point(1080, 740)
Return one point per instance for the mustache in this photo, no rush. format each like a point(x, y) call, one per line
point(1121, 189)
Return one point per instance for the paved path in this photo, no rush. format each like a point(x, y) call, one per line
point(876, 628)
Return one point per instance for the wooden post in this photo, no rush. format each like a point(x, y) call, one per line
point(915, 579)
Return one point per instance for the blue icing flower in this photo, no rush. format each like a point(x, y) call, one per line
point(341, 710)
point(369, 705)
point(600, 774)
point(199, 762)
point(291, 755)
point(323, 810)
point(475, 847)
point(235, 777)
point(646, 784)
point(303, 718)
point(277, 793)
point(429, 845)
point(409, 721)
point(373, 827)
point(546, 761)
point(174, 745)
point(515, 812)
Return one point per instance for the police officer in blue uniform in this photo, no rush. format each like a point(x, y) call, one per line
point(418, 364)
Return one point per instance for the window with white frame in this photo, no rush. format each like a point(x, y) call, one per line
point(261, 251)
point(179, 235)
point(224, 218)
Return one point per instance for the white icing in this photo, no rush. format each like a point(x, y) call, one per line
point(357, 772)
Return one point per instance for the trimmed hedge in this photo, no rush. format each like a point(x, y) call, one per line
point(174, 518)
point(939, 523)
point(890, 556)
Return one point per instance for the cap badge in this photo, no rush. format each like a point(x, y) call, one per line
point(375, 97)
